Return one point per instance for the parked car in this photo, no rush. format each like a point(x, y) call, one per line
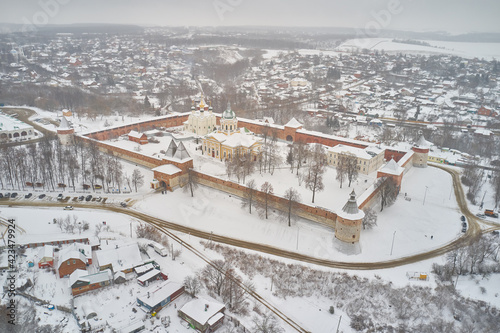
point(1, 195)
point(29, 195)
point(13, 195)
point(60, 196)
point(81, 197)
point(123, 204)
point(464, 228)
point(7, 195)
point(491, 213)
point(480, 215)
point(462, 218)
point(88, 198)
point(98, 199)
point(41, 196)
point(68, 208)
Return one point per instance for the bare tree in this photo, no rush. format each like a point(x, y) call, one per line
point(388, 191)
point(341, 168)
point(233, 294)
point(314, 178)
point(293, 198)
point(214, 276)
point(148, 231)
point(267, 190)
point(249, 195)
point(189, 182)
point(137, 178)
point(351, 168)
point(192, 284)
point(267, 324)
point(370, 219)
point(300, 153)
point(495, 181)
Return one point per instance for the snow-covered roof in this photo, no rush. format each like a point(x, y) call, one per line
point(392, 168)
point(239, 139)
point(46, 252)
point(121, 257)
point(157, 294)
point(76, 275)
point(181, 152)
point(81, 275)
point(196, 310)
point(70, 253)
point(293, 123)
point(8, 123)
point(215, 318)
point(144, 268)
point(350, 210)
point(149, 275)
point(64, 125)
point(135, 134)
point(358, 152)
point(483, 131)
point(168, 169)
point(422, 143)
point(220, 137)
point(172, 147)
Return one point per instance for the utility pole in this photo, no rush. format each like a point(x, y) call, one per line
point(393, 235)
point(425, 195)
point(338, 326)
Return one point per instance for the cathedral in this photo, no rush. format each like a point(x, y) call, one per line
point(201, 121)
point(229, 140)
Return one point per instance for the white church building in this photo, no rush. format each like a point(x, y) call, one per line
point(201, 121)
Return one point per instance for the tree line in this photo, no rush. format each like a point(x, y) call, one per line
point(51, 166)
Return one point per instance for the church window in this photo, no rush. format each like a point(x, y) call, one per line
point(209, 150)
point(217, 153)
point(224, 154)
point(226, 127)
point(230, 127)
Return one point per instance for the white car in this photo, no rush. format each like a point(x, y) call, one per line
point(68, 208)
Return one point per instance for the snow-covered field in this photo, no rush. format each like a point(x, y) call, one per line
point(487, 51)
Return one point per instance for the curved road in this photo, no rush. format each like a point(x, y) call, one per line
point(164, 226)
point(473, 231)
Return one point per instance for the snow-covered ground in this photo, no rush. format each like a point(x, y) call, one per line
point(487, 51)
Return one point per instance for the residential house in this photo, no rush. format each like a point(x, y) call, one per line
point(157, 297)
point(80, 281)
point(202, 315)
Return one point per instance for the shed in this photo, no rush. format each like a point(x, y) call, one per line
point(140, 138)
point(119, 278)
point(46, 255)
point(152, 275)
point(143, 269)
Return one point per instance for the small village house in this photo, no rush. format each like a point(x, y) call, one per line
point(157, 297)
point(202, 315)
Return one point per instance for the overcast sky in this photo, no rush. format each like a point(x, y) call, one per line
point(455, 16)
